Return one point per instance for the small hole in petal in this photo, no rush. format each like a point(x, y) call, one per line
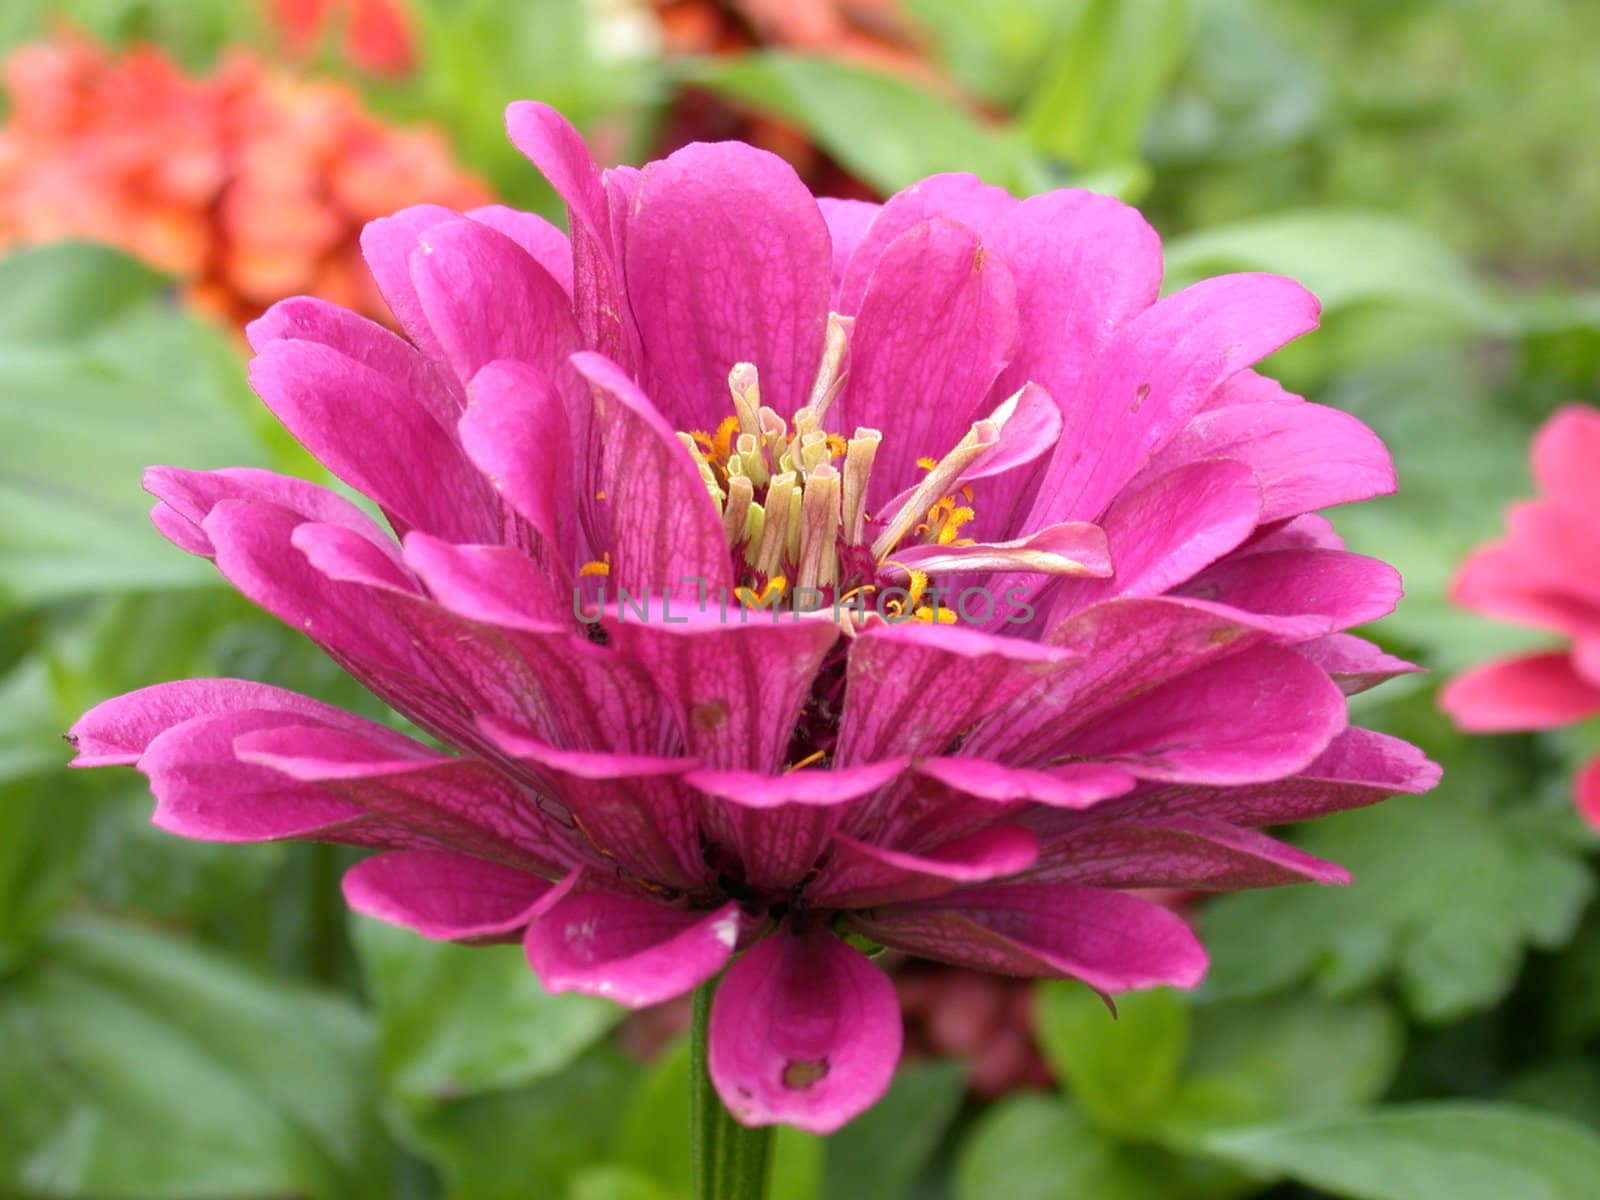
point(799, 1074)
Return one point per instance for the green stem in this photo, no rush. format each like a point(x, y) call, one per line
point(728, 1160)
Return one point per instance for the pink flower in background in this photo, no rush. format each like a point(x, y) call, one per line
point(1047, 613)
point(1546, 574)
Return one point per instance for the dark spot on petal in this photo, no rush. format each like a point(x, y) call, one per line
point(708, 716)
point(800, 1074)
point(1140, 396)
point(70, 739)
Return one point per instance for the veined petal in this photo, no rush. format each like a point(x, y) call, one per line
point(444, 896)
point(937, 324)
point(628, 948)
point(847, 224)
point(387, 244)
point(539, 239)
point(1178, 852)
point(1154, 374)
point(1343, 588)
point(804, 1032)
point(1068, 786)
point(861, 875)
point(728, 261)
point(498, 585)
point(1111, 941)
point(1353, 663)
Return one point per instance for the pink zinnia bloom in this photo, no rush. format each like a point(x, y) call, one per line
point(719, 379)
point(1544, 574)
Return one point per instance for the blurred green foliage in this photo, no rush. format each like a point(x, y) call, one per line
point(182, 1020)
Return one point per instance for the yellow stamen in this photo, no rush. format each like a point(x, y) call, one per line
point(601, 566)
point(815, 756)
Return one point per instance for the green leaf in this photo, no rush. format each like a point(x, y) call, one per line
point(1385, 283)
point(999, 57)
point(1097, 93)
point(1030, 1147)
point(886, 130)
point(1122, 1070)
point(1426, 1152)
point(456, 1020)
point(1450, 888)
point(534, 1141)
point(613, 1183)
point(879, 1155)
point(135, 1066)
point(1291, 1056)
point(94, 387)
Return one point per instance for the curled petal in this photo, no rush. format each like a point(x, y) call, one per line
point(1180, 852)
point(1111, 941)
point(628, 948)
point(444, 896)
point(804, 1032)
point(861, 875)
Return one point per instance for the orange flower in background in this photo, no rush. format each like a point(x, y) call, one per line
point(248, 184)
point(376, 33)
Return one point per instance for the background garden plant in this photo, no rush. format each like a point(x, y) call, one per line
point(182, 1020)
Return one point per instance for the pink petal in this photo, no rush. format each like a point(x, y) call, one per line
point(1305, 456)
point(937, 324)
point(1111, 941)
point(954, 197)
point(487, 300)
point(728, 261)
point(1179, 852)
point(1354, 663)
point(1502, 580)
point(517, 432)
point(811, 787)
point(1358, 768)
point(1259, 715)
point(1560, 542)
point(445, 896)
point(737, 688)
point(557, 149)
point(911, 689)
point(1154, 374)
point(308, 319)
point(631, 949)
point(847, 224)
point(539, 239)
point(1539, 691)
point(116, 732)
point(376, 437)
point(1586, 790)
point(387, 244)
point(1565, 451)
point(1345, 589)
point(665, 532)
point(804, 1032)
point(1070, 786)
point(1075, 548)
point(634, 810)
point(461, 803)
point(499, 585)
point(860, 875)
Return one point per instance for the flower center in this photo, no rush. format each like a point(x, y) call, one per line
point(793, 499)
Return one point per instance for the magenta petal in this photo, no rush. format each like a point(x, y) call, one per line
point(1344, 589)
point(1354, 663)
point(1358, 768)
point(445, 896)
point(847, 225)
point(631, 949)
point(728, 261)
point(518, 433)
point(539, 239)
point(737, 688)
point(1153, 376)
point(1074, 548)
point(812, 788)
point(1070, 786)
point(804, 1032)
point(666, 534)
point(1305, 456)
point(1179, 852)
point(1111, 941)
point(498, 585)
point(116, 732)
point(1259, 715)
point(557, 149)
point(387, 244)
point(487, 300)
point(937, 324)
point(958, 197)
point(1564, 453)
point(376, 437)
point(1538, 691)
point(912, 689)
point(860, 875)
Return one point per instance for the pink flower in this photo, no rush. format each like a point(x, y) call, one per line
point(1546, 574)
point(723, 381)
